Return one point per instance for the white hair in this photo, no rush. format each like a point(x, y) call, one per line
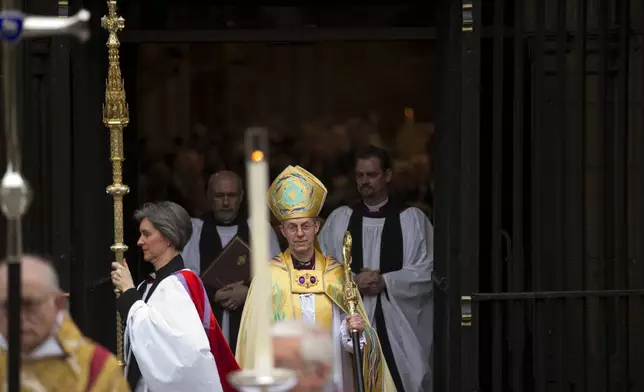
point(316, 345)
point(29, 260)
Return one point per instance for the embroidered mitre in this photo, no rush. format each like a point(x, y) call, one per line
point(296, 193)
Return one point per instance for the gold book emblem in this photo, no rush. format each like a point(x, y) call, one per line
point(241, 260)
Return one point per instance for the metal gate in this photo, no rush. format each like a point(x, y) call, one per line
point(541, 253)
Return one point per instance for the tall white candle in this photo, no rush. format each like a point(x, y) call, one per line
point(257, 177)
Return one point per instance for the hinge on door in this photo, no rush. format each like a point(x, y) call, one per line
point(466, 311)
point(467, 24)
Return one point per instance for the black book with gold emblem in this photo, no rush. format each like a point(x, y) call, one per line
point(231, 266)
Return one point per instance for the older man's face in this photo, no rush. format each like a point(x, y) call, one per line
point(226, 197)
point(310, 377)
point(300, 233)
point(40, 306)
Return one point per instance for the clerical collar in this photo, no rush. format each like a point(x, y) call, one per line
point(377, 207)
point(174, 265)
point(304, 265)
point(47, 349)
point(210, 216)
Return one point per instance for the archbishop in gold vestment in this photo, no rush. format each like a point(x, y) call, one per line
point(326, 283)
point(68, 362)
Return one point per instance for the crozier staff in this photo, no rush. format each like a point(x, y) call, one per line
point(172, 340)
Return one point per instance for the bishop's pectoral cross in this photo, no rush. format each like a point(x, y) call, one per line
point(15, 195)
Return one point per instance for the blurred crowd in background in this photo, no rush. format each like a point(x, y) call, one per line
point(180, 171)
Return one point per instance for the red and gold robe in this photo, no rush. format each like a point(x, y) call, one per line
point(70, 363)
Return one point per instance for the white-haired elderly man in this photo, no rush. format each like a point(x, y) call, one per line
point(56, 355)
point(305, 348)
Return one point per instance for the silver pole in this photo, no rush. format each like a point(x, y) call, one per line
point(15, 194)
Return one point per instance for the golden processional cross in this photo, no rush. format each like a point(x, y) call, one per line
point(15, 194)
point(116, 116)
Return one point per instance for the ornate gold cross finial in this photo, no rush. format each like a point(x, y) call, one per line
point(115, 110)
point(112, 22)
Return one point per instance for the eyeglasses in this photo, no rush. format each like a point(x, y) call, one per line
point(305, 227)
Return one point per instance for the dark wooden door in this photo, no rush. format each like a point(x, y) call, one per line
point(554, 91)
point(457, 151)
point(45, 132)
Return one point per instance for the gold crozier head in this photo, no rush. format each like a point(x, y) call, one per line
point(347, 243)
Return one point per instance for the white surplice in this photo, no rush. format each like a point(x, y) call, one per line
point(192, 258)
point(408, 308)
point(168, 339)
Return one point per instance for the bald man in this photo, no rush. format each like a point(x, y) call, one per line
point(56, 356)
point(211, 233)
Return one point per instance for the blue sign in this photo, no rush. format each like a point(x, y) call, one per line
point(11, 24)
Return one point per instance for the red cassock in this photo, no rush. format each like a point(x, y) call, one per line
point(222, 353)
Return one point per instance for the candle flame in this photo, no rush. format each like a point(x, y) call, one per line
point(257, 156)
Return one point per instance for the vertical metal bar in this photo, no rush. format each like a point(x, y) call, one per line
point(497, 193)
point(447, 318)
point(456, 227)
point(620, 234)
point(559, 268)
point(538, 342)
point(608, 165)
point(517, 337)
point(597, 367)
point(14, 236)
point(470, 192)
point(636, 210)
point(575, 142)
point(10, 58)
